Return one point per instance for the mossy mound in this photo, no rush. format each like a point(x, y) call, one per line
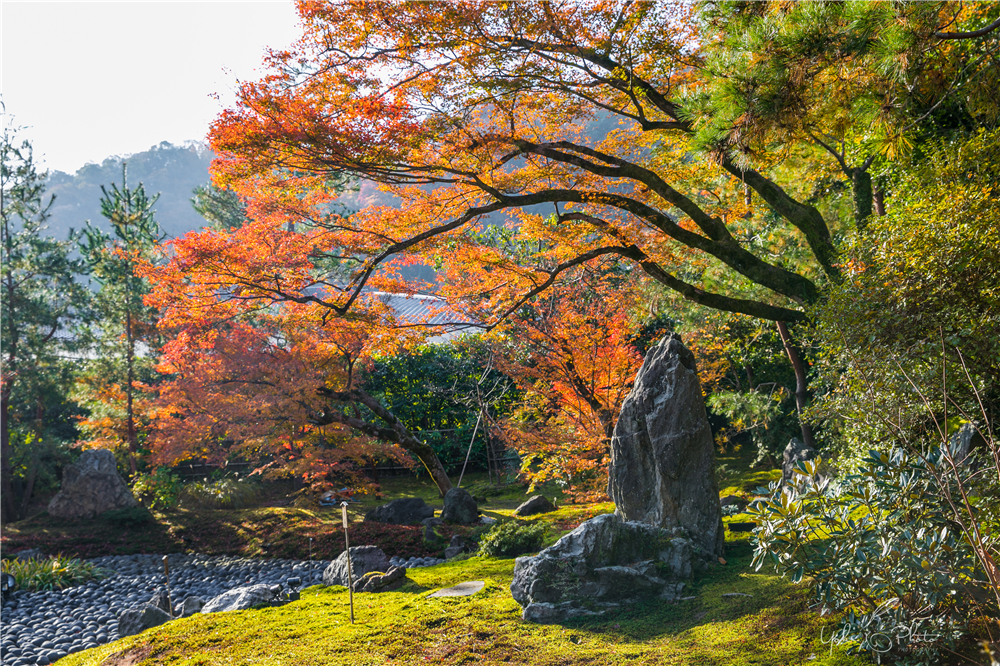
point(771, 627)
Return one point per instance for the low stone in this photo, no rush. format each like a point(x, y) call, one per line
point(466, 589)
point(604, 561)
point(429, 525)
point(794, 453)
point(375, 581)
point(29, 554)
point(733, 500)
point(191, 606)
point(364, 559)
point(405, 511)
point(535, 505)
point(456, 547)
point(161, 601)
point(91, 486)
point(240, 598)
point(459, 507)
point(137, 620)
point(486, 520)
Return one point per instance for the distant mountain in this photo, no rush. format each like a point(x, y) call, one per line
point(172, 171)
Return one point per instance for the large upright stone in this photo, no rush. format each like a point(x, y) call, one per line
point(662, 452)
point(90, 487)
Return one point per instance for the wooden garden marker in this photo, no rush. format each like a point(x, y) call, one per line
point(166, 572)
point(350, 575)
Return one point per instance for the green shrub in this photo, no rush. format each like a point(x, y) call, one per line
point(225, 493)
point(134, 517)
point(53, 573)
point(157, 490)
point(509, 538)
point(883, 549)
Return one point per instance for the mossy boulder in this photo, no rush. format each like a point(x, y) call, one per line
point(601, 564)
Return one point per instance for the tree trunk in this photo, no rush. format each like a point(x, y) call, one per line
point(801, 386)
point(878, 199)
point(7, 511)
point(862, 187)
point(133, 441)
point(396, 432)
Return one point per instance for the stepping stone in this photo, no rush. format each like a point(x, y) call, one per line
point(461, 590)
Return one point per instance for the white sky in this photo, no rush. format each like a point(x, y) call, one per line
point(93, 79)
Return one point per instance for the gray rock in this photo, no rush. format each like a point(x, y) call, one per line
point(795, 453)
point(535, 505)
point(662, 468)
point(603, 563)
point(405, 511)
point(161, 601)
point(963, 441)
point(364, 560)
point(733, 500)
point(429, 525)
point(29, 554)
point(381, 582)
point(459, 507)
point(191, 606)
point(240, 598)
point(455, 547)
point(91, 486)
point(137, 620)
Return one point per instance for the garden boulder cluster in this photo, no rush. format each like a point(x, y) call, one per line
point(602, 564)
point(667, 521)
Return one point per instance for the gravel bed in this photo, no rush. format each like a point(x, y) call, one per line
point(42, 627)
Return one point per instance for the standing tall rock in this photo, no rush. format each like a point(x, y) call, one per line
point(662, 453)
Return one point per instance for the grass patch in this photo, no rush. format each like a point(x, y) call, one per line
point(52, 573)
point(771, 627)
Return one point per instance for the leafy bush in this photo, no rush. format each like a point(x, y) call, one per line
point(512, 537)
point(134, 517)
point(883, 548)
point(54, 573)
point(158, 490)
point(227, 493)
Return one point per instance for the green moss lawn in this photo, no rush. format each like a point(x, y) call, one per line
point(765, 622)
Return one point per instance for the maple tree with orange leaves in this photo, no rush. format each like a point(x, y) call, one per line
point(573, 355)
point(477, 116)
point(517, 142)
point(273, 381)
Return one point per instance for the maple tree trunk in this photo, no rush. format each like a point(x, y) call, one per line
point(801, 385)
point(396, 433)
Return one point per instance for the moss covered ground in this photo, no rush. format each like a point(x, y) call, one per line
point(765, 621)
point(771, 626)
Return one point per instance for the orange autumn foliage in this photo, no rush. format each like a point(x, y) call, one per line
point(261, 375)
point(572, 353)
